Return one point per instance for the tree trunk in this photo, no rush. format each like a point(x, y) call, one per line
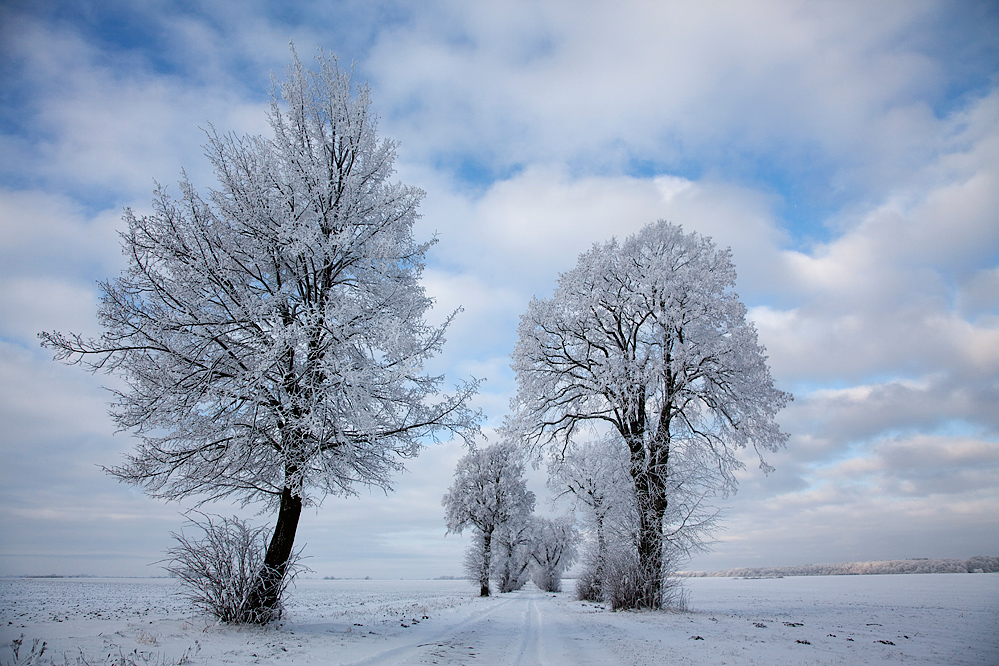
point(487, 540)
point(650, 550)
point(264, 603)
point(519, 580)
point(598, 578)
point(651, 497)
point(506, 575)
point(649, 471)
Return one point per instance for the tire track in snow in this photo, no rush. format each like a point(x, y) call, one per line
point(525, 628)
point(567, 637)
point(411, 651)
point(531, 648)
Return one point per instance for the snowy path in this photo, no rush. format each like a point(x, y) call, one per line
point(519, 629)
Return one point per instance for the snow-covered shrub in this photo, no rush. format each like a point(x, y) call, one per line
point(220, 570)
point(622, 584)
point(589, 580)
point(588, 586)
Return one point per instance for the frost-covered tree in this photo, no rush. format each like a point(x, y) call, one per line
point(648, 337)
point(271, 335)
point(594, 477)
point(553, 551)
point(489, 492)
point(514, 549)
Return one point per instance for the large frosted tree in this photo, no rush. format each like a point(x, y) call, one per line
point(271, 335)
point(648, 337)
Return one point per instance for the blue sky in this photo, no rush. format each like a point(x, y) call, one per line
point(848, 153)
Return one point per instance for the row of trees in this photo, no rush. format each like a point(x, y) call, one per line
point(641, 378)
point(489, 496)
point(271, 335)
point(976, 564)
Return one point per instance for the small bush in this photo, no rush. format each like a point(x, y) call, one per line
point(547, 579)
point(624, 586)
point(587, 586)
point(220, 571)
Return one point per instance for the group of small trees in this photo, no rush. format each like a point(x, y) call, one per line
point(272, 335)
point(919, 565)
point(489, 496)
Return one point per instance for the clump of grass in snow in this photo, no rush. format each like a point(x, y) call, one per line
point(36, 656)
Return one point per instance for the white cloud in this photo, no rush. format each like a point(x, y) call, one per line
point(48, 234)
point(112, 124)
point(522, 231)
point(920, 496)
point(880, 297)
point(979, 296)
point(521, 82)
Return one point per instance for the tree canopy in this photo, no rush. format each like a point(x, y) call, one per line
point(648, 338)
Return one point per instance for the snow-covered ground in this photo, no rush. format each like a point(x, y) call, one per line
point(931, 619)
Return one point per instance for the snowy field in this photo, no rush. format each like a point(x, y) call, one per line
point(932, 619)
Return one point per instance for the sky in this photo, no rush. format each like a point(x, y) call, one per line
point(846, 152)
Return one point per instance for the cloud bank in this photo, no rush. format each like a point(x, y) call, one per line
point(847, 153)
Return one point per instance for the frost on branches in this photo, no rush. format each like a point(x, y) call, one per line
point(647, 338)
point(489, 495)
point(512, 553)
point(594, 477)
point(271, 333)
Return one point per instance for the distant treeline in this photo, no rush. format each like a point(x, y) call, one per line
point(977, 564)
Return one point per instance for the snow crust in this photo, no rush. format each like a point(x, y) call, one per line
point(927, 619)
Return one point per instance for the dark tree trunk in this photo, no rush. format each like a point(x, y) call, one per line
point(487, 540)
point(649, 471)
point(506, 576)
point(650, 495)
point(651, 509)
point(598, 577)
point(264, 603)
